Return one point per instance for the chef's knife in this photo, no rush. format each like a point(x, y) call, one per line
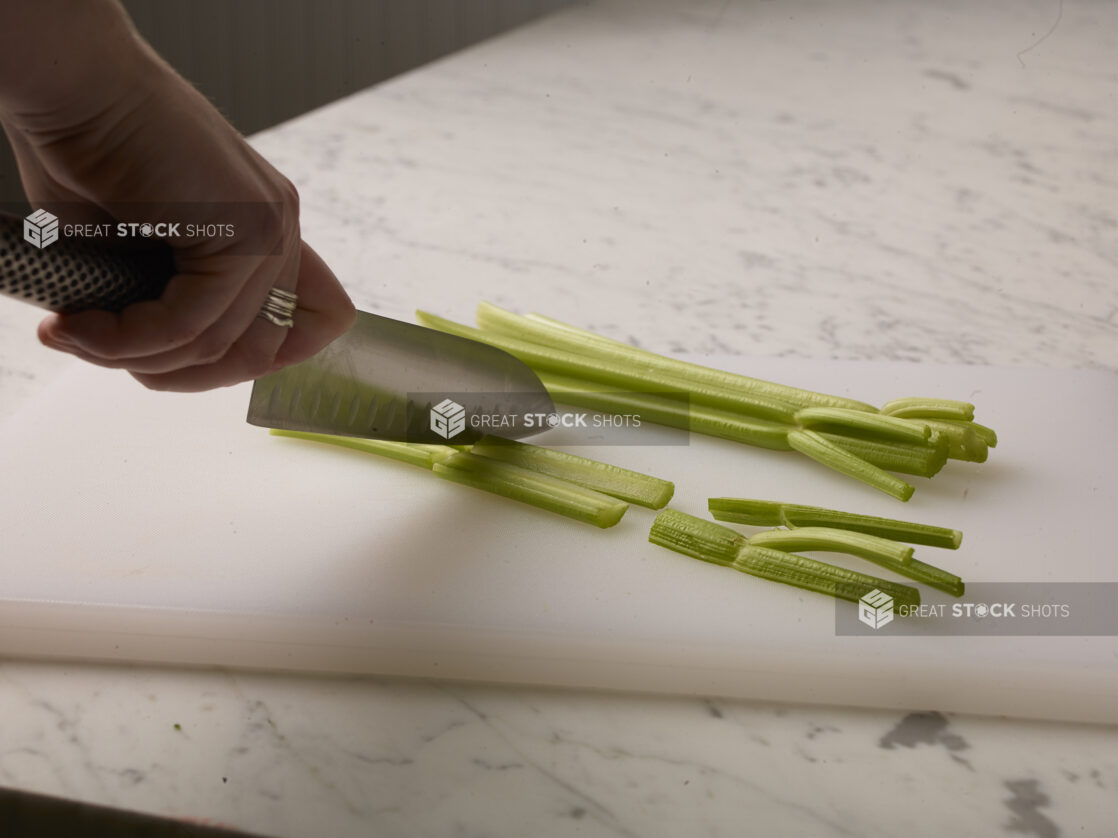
point(383, 379)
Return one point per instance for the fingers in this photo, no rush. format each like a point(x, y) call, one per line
point(324, 312)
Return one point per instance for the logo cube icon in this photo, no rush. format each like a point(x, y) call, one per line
point(40, 229)
point(875, 609)
point(448, 418)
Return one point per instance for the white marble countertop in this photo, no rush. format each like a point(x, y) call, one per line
point(920, 182)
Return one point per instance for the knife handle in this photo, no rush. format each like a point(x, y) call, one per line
point(71, 275)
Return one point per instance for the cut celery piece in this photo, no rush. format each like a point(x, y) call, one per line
point(663, 410)
point(813, 575)
point(883, 551)
point(617, 374)
point(632, 486)
point(696, 537)
point(532, 487)
point(823, 451)
point(890, 554)
point(417, 454)
point(915, 407)
point(710, 542)
point(774, 513)
point(492, 318)
point(887, 427)
point(933, 577)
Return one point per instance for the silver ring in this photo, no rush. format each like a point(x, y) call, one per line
point(278, 308)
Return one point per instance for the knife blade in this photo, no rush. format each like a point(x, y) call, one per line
point(382, 379)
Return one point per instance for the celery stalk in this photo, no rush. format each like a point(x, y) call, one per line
point(667, 411)
point(812, 575)
point(885, 552)
point(916, 407)
point(492, 318)
point(923, 459)
point(417, 454)
point(820, 449)
point(696, 537)
point(532, 487)
point(873, 548)
point(888, 427)
point(710, 542)
point(617, 374)
point(773, 513)
point(632, 486)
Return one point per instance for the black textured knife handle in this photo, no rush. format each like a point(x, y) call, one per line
point(71, 275)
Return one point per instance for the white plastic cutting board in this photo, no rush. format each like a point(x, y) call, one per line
point(158, 527)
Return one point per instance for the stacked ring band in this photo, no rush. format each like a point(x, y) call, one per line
point(278, 308)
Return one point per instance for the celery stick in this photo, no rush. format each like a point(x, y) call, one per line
point(921, 459)
point(710, 542)
point(813, 575)
point(823, 451)
point(773, 513)
point(696, 537)
point(758, 513)
point(620, 375)
point(916, 407)
point(611, 480)
point(577, 331)
point(667, 411)
point(888, 427)
point(883, 551)
point(417, 454)
point(886, 552)
point(492, 318)
point(532, 487)
point(933, 577)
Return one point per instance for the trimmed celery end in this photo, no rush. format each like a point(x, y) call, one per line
point(531, 487)
point(873, 548)
point(916, 407)
point(888, 427)
point(813, 575)
point(987, 435)
point(823, 451)
point(963, 441)
point(757, 513)
point(631, 486)
point(696, 537)
point(416, 454)
point(667, 411)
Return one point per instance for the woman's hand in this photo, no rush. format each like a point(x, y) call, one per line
point(111, 129)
